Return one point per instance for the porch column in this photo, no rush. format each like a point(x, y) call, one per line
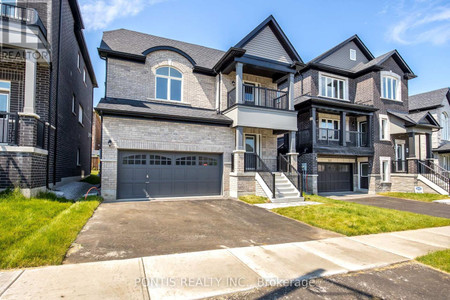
point(239, 71)
point(343, 138)
point(313, 126)
point(429, 144)
point(412, 145)
point(291, 91)
point(369, 130)
point(30, 83)
point(293, 155)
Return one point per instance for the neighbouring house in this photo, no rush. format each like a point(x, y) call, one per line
point(437, 103)
point(355, 132)
point(96, 141)
point(46, 90)
point(180, 119)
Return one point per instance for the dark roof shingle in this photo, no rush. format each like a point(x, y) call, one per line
point(429, 99)
point(132, 42)
point(161, 110)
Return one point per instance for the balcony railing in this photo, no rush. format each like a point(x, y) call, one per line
point(399, 166)
point(328, 136)
point(357, 139)
point(332, 137)
point(260, 96)
point(10, 130)
point(29, 16)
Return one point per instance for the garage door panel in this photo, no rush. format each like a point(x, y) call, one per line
point(169, 174)
point(334, 177)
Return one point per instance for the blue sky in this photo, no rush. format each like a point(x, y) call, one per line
point(418, 29)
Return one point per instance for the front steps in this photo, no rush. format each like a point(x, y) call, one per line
point(285, 191)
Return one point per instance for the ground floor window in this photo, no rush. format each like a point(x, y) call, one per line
point(385, 169)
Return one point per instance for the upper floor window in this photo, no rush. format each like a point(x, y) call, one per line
point(352, 54)
point(84, 75)
point(168, 84)
point(384, 128)
point(444, 125)
point(80, 114)
point(390, 86)
point(5, 87)
point(333, 87)
point(79, 62)
point(73, 104)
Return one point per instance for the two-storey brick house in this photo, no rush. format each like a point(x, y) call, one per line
point(46, 85)
point(354, 130)
point(185, 120)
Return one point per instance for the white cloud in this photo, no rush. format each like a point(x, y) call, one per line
point(421, 22)
point(99, 14)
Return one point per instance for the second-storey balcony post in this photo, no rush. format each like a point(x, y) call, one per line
point(291, 91)
point(313, 125)
point(369, 131)
point(343, 132)
point(239, 87)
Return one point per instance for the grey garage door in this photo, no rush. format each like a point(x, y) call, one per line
point(161, 174)
point(334, 177)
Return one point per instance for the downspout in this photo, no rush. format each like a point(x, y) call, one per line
point(50, 101)
point(57, 92)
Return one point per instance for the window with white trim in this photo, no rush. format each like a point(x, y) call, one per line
point(384, 128)
point(5, 89)
point(444, 125)
point(80, 114)
point(333, 87)
point(352, 54)
point(390, 86)
point(385, 169)
point(169, 82)
point(79, 61)
point(84, 75)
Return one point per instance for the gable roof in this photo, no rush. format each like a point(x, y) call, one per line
point(378, 61)
point(422, 118)
point(136, 45)
point(429, 100)
point(276, 29)
point(355, 38)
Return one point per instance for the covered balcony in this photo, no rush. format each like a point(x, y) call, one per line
point(335, 130)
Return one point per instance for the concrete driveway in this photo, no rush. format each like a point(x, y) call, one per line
point(425, 208)
point(138, 229)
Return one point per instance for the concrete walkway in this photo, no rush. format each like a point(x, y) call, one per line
point(219, 272)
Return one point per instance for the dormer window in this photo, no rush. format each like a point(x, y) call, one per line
point(332, 86)
point(390, 86)
point(168, 84)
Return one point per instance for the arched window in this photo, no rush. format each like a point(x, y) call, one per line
point(168, 84)
point(444, 125)
point(390, 86)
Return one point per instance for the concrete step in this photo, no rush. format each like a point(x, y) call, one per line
point(285, 189)
point(288, 194)
point(287, 199)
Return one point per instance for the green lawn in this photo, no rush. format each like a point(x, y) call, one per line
point(439, 260)
point(38, 231)
point(356, 219)
point(252, 199)
point(413, 196)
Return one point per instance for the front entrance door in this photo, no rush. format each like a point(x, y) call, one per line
point(4, 110)
point(363, 138)
point(400, 164)
point(364, 175)
point(251, 150)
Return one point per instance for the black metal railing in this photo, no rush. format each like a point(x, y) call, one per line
point(438, 168)
point(260, 96)
point(328, 136)
point(291, 173)
point(399, 166)
point(357, 139)
point(27, 15)
point(435, 177)
point(9, 128)
point(254, 163)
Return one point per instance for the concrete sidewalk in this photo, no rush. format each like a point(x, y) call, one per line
point(219, 272)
